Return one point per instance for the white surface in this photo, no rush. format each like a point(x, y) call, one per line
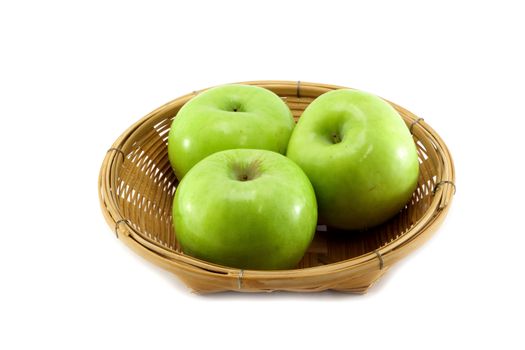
point(74, 76)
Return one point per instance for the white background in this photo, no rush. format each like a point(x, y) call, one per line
point(75, 75)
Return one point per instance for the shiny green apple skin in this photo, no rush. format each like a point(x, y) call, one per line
point(359, 156)
point(228, 117)
point(244, 208)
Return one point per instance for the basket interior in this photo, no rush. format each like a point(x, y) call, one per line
point(146, 184)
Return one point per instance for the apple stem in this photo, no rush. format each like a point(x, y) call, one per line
point(336, 138)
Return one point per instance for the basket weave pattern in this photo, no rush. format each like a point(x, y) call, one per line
point(137, 184)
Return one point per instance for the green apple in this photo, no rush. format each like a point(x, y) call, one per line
point(359, 156)
point(228, 117)
point(245, 208)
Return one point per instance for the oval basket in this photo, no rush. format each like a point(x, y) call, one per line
point(136, 188)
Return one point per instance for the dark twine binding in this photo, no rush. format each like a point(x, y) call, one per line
point(117, 150)
point(239, 279)
point(442, 183)
point(414, 123)
point(118, 222)
point(381, 262)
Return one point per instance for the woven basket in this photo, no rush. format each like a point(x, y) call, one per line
point(137, 184)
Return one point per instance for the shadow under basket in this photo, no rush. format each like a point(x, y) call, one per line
point(137, 185)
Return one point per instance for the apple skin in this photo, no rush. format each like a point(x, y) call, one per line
point(359, 155)
point(244, 208)
point(228, 117)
